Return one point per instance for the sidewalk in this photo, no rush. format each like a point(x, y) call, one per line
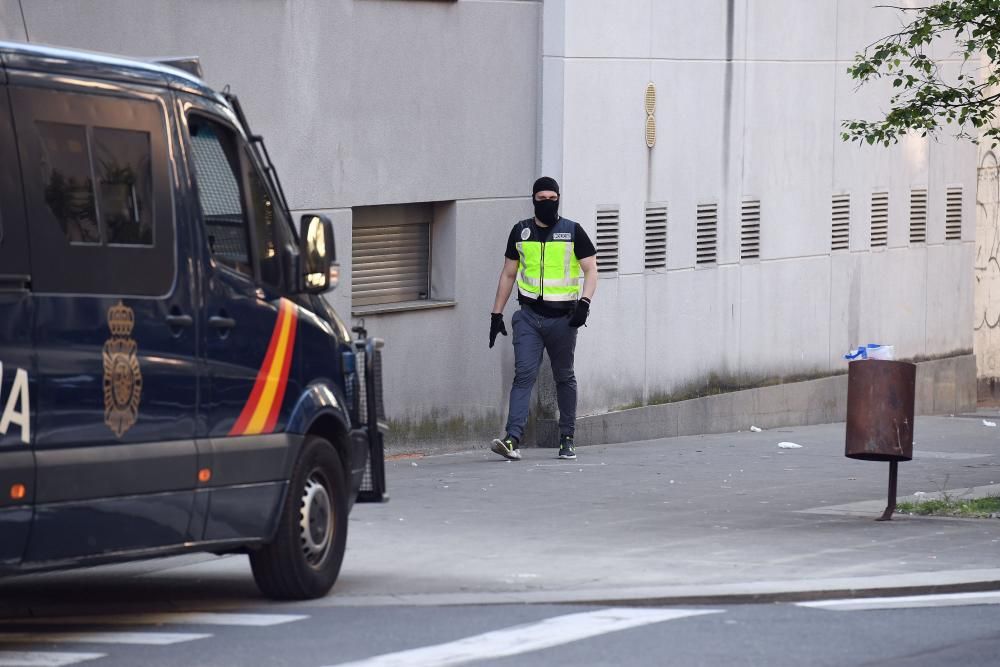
point(700, 518)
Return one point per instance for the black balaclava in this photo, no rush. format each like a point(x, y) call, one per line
point(546, 211)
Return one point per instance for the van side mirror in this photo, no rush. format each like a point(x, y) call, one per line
point(317, 252)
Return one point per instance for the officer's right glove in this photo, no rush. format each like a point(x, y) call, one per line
point(579, 316)
point(496, 327)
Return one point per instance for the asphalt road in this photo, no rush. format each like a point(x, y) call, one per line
point(602, 561)
point(948, 631)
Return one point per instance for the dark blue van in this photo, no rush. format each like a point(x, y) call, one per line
point(171, 379)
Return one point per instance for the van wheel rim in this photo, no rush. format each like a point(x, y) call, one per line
point(316, 521)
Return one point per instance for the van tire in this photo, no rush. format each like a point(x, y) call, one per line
point(304, 559)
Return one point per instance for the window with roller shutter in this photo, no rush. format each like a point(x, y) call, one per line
point(390, 254)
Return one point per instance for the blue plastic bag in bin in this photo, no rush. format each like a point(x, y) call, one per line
point(870, 351)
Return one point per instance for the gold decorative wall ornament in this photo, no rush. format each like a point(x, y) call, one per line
point(122, 375)
point(650, 104)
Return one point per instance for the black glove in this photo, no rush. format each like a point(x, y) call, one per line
point(496, 327)
point(579, 316)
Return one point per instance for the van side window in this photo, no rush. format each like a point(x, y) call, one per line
point(216, 167)
point(124, 185)
point(69, 189)
point(119, 210)
point(98, 191)
point(264, 225)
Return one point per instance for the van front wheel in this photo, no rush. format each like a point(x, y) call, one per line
point(304, 559)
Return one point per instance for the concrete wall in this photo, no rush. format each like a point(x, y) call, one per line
point(943, 386)
point(746, 108)
point(986, 323)
point(987, 269)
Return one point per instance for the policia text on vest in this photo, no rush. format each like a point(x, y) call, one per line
point(547, 257)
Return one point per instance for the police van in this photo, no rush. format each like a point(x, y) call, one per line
point(171, 379)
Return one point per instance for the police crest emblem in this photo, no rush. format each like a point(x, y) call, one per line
point(122, 376)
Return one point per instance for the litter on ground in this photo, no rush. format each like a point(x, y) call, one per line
point(789, 445)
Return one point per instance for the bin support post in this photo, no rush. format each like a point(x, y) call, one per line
point(891, 507)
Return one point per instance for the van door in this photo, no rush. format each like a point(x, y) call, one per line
point(114, 321)
point(249, 337)
point(18, 384)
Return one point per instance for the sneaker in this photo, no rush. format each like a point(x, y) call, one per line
point(566, 447)
point(506, 448)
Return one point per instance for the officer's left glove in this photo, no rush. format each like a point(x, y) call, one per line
point(579, 316)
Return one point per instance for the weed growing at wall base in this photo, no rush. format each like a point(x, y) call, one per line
point(976, 508)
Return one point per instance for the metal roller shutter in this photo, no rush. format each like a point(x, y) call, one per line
point(390, 263)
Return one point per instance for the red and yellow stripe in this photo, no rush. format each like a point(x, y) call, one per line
point(260, 414)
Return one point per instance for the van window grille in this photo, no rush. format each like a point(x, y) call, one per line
point(219, 196)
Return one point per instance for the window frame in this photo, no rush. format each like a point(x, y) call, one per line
point(15, 263)
point(59, 266)
point(246, 162)
point(390, 216)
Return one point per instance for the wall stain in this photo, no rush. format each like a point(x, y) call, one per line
point(986, 326)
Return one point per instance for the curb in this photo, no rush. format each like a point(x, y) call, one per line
point(957, 581)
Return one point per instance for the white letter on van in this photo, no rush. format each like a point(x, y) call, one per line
point(22, 416)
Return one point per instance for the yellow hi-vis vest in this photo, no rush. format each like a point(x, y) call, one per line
point(548, 271)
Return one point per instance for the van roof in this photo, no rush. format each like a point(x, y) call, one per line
point(40, 58)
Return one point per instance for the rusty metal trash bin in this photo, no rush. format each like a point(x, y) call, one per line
point(880, 399)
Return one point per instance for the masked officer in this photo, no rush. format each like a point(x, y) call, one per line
point(547, 256)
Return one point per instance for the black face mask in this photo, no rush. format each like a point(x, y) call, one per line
point(547, 211)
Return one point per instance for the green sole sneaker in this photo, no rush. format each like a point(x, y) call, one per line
point(502, 448)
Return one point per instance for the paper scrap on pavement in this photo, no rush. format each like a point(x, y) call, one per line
point(988, 423)
point(789, 445)
point(755, 429)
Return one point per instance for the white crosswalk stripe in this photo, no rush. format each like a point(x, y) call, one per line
point(44, 659)
point(170, 618)
point(95, 636)
point(134, 638)
point(526, 638)
point(906, 602)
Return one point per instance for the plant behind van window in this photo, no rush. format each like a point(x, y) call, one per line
point(72, 203)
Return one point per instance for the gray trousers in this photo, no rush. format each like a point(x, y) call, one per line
point(534, 333)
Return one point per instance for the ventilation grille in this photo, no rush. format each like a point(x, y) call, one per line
point(607, 239)
point(880, 219)
point(656, 236)
point(953, 214)
point(918, 216)
point(707, 232)
point(750, 229)
point(840, 238)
